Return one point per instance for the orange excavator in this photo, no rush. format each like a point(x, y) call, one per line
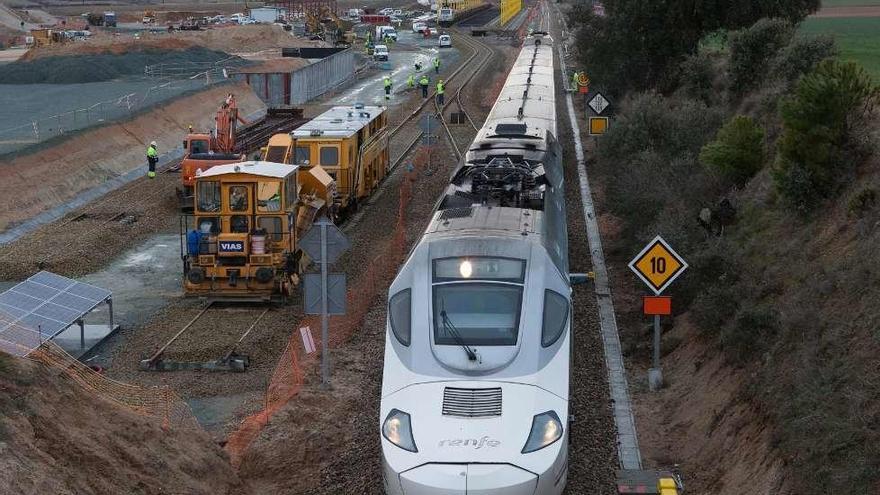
point(205, 150)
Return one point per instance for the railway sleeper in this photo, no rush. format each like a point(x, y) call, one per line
point(233, 362)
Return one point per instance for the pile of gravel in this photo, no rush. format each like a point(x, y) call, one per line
point(99, 67)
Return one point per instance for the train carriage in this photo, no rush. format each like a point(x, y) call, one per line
point(240, 242)
point(476, 379)
point(349, 142)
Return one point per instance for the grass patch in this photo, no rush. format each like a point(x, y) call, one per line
point(848, 3)
point(858, 38)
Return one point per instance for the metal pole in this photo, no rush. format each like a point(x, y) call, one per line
point(82, 334)
point(655, 374)
point(110, 309)
point(325, 364)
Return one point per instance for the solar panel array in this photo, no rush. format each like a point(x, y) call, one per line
point(41, 307)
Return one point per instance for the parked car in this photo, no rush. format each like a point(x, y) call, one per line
point(386, 11)
point(380, 52)
point(418, 27)
point(445, 41)
point(246, 21)
point(386, 31)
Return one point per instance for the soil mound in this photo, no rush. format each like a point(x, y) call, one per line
point(100, 66)
point(55, 437)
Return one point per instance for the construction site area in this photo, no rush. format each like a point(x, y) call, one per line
point(338, 247)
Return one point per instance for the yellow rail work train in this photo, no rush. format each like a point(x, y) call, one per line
point(240, 242)
point(349, 142)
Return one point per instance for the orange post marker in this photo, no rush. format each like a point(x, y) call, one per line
point(657, 305)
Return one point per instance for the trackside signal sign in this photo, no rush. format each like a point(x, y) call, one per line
point(658, 265)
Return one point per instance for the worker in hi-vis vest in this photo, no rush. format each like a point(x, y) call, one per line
point(386, 81)
point(423, 82)
point(411, 81)
point(436, 65)
point(152, 159)
point(440, 90)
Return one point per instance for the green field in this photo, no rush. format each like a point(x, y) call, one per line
point(858, 38)
point(848, 3)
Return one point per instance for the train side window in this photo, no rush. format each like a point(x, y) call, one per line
point(269, 196)
point(555, 317)
point(238, 198)
point(238, 224)
point(208, 195)
point(303, 155)
point(272, 226)
point(400, 315)
point(329, 156)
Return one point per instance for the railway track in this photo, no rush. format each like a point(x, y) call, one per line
point(230, 360)
point(466, 71)
point(276, 121)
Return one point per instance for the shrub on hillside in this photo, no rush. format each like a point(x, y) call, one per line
point(737, 153)
point(696, 76)
point(672, 127)
point(752, 49)
point(648, 159)
point(749, 336)
point(818, 121)
point(801, 56)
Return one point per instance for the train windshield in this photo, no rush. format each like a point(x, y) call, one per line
point(477, 301)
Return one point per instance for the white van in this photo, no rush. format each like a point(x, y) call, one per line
point(380, 52)
point(445, 41)
point(383, 31)
point(418, 27)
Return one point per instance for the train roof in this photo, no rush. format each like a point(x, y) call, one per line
point(343, 121)
point(260, 168)
point(527, 102)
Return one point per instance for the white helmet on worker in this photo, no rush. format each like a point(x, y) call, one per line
point(152, 143)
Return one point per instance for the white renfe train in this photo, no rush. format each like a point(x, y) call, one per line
point(476, 379)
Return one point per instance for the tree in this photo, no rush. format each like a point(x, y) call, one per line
point(752, 49)
point(817, 121)
point(638, 44)
point(737, 152)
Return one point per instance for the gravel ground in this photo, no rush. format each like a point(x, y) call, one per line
point(593, 436)
point(87, 239)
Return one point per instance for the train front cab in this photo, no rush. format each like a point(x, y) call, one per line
point(240, 241)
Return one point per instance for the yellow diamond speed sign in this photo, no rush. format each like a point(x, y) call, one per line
point(658, 265)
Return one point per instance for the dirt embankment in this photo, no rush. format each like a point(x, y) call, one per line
point(701, 415)
point(55, 437)
point(230, 39)
point(33, 183)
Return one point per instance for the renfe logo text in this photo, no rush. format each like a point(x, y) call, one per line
point(470, 441)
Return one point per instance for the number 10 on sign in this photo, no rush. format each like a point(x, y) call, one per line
point(658, 265)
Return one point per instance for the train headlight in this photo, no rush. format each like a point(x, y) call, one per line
point(546, 429)
point(397, 429)
point(466, 269)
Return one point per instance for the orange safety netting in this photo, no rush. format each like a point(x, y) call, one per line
point(157, 402)
point(288, 377)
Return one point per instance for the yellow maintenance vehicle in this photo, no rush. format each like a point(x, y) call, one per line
point(241, 241)
point(349, 142)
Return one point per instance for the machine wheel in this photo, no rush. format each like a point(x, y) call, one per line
point(196, 275)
